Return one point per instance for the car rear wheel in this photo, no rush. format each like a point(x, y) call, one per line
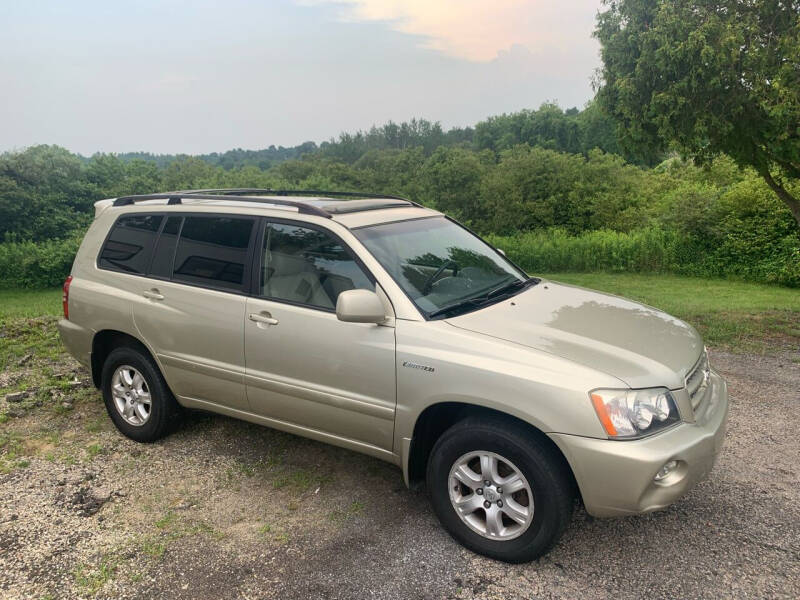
point(136, 396)
point(499, 489)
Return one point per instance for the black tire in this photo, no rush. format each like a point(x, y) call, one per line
point(541, 464)
point(164, 410)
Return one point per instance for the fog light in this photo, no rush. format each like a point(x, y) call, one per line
point(664, 471)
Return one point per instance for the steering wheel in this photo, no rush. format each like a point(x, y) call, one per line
point(426, 288)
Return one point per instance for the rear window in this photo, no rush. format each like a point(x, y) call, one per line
point(130, 244)
point(212, 251)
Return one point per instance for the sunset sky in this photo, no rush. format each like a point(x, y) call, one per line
point(201, 76)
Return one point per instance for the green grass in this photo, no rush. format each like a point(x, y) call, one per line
point(730, 314)
point(29, 303)
point(29, 340)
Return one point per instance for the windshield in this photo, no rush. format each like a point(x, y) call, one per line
point(439, 264)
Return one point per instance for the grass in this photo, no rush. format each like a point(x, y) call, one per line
point(16, 304)
point(735, 315)
point(37, 337)
point(90, 578)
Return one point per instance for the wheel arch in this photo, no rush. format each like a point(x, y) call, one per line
point(438, 418)
point(105, 341)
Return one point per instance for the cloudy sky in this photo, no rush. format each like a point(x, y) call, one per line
point(201, 76)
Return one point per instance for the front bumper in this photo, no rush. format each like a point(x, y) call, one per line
point(616, 477)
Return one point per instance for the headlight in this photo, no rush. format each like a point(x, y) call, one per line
point(627, 414)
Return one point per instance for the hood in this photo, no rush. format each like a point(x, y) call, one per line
point(635, 343)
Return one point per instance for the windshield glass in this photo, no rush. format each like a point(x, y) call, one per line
point(437, 262)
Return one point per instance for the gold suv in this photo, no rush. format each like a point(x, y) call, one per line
point(376, 324)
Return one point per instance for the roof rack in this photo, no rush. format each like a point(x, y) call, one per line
point(177, 198)
point(318, 193)
point(241, 195)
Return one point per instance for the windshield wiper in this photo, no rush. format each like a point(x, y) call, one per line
point(469, 302)
point(516, 284)
point(477, 301)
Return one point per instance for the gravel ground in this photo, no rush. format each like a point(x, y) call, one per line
point(224, 509)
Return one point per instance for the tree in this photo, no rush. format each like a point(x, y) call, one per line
point(709, 77)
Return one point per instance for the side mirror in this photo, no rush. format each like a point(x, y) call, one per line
point(501, 251)
point(360, 306)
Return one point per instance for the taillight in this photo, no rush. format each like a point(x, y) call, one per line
point(65, 297)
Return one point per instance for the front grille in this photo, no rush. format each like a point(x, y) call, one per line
point(697, 380)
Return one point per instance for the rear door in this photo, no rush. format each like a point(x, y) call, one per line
point(191, 307)
point(304, 366)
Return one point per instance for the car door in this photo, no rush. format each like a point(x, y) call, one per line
point(304, 367)
point(191, 307)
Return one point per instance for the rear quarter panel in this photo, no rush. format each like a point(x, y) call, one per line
point(98, 299)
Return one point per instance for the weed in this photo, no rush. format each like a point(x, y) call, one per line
point(92, 578)
point(166, 521)
point(281, 537)
point(339, 516)
point(96, 425)
point(93, 450)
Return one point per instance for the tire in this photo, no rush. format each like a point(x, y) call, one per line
point(517, 450)
point(163, 409)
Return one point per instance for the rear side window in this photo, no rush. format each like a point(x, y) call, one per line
point(212, 251)
point(165, 249)
point(130, 244)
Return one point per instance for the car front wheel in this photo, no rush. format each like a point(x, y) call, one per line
point(499, 489)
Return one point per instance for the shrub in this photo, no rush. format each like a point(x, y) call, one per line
point(645, 250)
point(37, 264)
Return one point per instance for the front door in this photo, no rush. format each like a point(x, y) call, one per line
point(304, 367)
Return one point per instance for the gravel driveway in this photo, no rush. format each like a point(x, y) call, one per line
point(224, 509)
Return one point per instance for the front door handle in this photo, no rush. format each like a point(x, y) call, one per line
point(153, 294)
point(264, 318)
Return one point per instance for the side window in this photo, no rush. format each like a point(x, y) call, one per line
point(130, 244)
point(212, 251)
point(165, 248)
point(307, 266)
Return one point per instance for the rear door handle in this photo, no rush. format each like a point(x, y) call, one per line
point(153, 295)
point(263, 318)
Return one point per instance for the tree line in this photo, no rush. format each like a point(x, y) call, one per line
point(717, 219)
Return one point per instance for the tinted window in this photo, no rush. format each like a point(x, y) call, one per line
point(165, 248)
point(212, 251)
point(130, 244)
point(307, 266)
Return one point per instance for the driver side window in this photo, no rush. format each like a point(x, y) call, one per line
point(308, 266)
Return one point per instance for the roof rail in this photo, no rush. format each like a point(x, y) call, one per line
point(177, 198)
point(243, 195)
point(318, 193)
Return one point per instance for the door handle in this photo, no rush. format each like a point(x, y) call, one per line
point(265, 318)
point(153, 294)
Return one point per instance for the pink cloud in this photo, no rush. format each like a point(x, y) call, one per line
point(478, 30)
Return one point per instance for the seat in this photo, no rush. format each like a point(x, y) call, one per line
point(291, 278)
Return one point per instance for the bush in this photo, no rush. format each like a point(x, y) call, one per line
point(747, 254)
point(37, 264)
point(645, 250)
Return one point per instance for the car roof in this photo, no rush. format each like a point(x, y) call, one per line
point(351, 209)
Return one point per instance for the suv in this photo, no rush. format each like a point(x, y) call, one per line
point(381, 326)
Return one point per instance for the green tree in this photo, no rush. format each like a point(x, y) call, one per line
point(711, 77)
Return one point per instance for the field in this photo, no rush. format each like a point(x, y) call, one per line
point(226, 509)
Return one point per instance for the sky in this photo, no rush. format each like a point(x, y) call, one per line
point(178, 76)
